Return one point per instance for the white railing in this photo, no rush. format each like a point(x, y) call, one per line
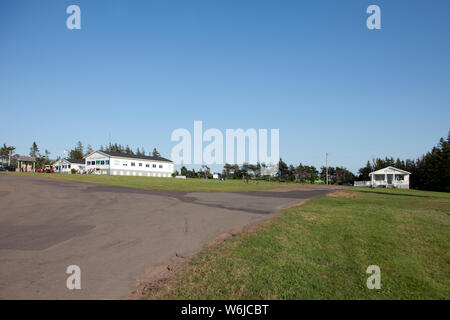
point(380, 183)
point(361, 183)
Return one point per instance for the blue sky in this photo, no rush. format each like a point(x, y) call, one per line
point(137, 70)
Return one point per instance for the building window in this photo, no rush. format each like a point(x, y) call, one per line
point(154, 166)
point(125, 164)
point(140, 164)
point(102, 162)
point(133, 164)
point(160, 166)
point(68, 166)
point(147, 165)
point(88, 163)
point(107, 162)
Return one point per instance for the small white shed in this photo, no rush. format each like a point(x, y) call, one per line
point(390, 177)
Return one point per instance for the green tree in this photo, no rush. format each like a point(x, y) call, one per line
point(313, 174)
point(128, 150)
point(364, 172)
point(155, 153)
point(184, 171)
point(6, 152)
point(34, 150)
point(77, 152)
point(89, 150)
point(227, 170)
point(283, 170)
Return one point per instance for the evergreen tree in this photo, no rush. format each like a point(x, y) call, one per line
point(77, 152)
point(89, 150)
point(283, 170)
point(128, 150)
point(155, 153)
point(184, 171)
point(34, 150)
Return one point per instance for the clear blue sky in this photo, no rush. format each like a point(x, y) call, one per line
point(140, 69)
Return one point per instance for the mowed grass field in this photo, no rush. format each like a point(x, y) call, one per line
point(321, 250)
point(165, 183)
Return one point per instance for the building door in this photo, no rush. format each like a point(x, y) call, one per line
point(390, 177)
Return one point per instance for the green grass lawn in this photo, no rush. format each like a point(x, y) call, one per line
point(321, 250)
point(165, 183)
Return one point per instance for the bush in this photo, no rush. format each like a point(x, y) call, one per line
point(74, 171)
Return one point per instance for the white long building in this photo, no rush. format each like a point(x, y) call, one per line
point(115, 163)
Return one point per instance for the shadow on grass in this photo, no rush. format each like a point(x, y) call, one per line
point(393, 194)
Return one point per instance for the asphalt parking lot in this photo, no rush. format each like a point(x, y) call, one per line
point(112, 233)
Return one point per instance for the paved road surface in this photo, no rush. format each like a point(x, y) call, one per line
point(111, 233)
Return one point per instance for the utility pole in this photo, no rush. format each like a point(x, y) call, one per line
point(373, 170)
point(327, 167)
point(9, 158)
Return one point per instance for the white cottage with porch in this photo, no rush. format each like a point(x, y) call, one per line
point(388, 177)
point(66, 165)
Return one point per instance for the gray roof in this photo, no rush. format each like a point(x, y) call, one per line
point(126, 155)
point(26, 158)
point(76, 160)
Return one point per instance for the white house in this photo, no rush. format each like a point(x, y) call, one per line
point(66, 165)
point(387, 177)
point(115, 163)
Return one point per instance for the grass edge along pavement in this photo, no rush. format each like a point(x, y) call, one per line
point(321, 250)
point(155, 183)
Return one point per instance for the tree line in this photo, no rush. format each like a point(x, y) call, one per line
point(8, 156)
point(126, 149)
point(430, 172)
point(79, 153)
point(285, 173)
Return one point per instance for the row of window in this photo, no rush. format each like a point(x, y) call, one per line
point(66, 166)
point(125, 164)
point(98, 162)
point(147, 165)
